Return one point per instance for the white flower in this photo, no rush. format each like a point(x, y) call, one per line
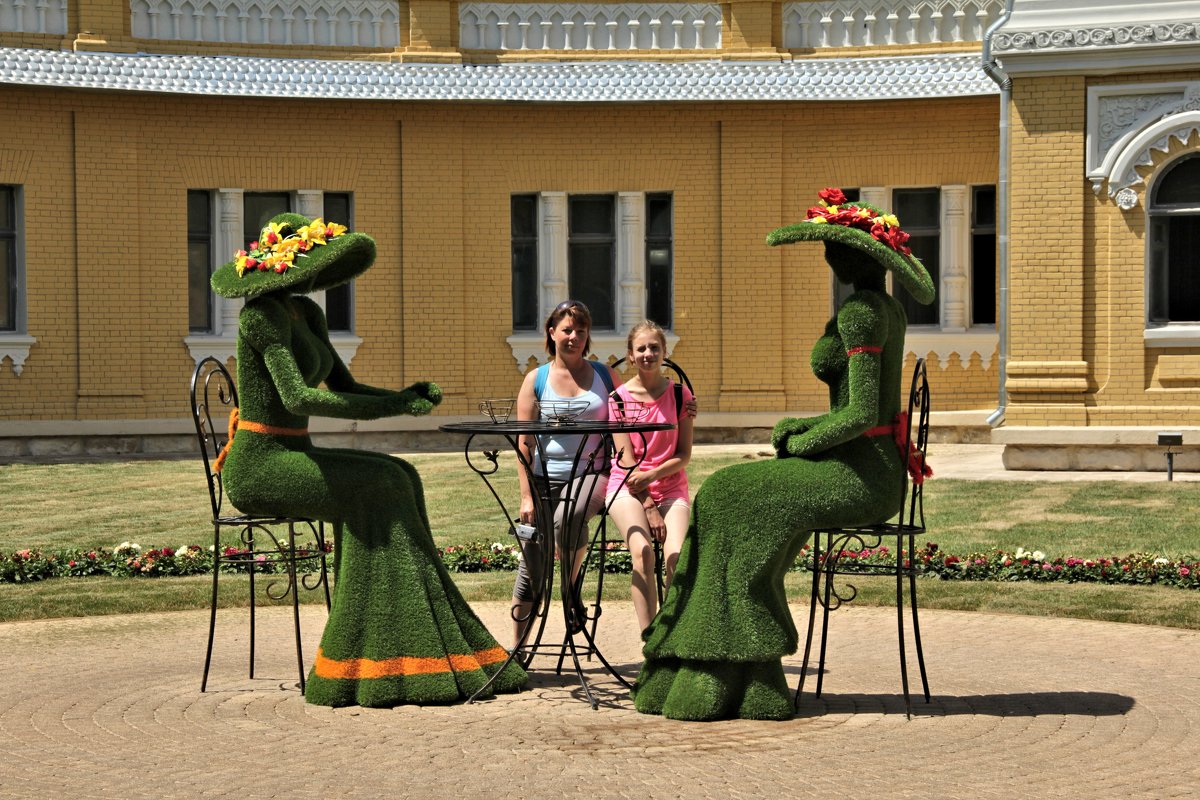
point(1038, 555)
point(1021, 552)
point(497, 547)
point(1161, 561)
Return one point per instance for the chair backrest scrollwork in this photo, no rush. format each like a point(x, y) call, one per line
point(213, 396)
point(912, 503)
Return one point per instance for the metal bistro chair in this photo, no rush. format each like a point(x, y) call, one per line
point(262, 548)
point(831, 546)
point(601, 532)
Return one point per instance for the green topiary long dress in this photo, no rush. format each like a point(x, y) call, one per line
point(399, 631)
point(715, 649)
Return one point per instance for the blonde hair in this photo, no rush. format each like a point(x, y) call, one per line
point(646, 326)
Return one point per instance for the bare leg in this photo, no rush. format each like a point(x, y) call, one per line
point(676, 518)
point(630, 518)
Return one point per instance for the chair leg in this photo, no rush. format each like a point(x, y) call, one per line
point(912, 590)
point(324, 564)
point(250, 544)
point(658, 571)
point(212, 616)
point(812, 618)
point(295, 590)
point(900, 625)
point(828, 595)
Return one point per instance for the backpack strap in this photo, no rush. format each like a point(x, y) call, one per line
point(543, 375)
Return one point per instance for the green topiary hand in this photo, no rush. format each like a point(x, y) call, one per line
point(785, 429)
point(420, 398)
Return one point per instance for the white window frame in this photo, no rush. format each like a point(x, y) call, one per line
point(1172, 334)
point(629, 273)
point(221, 341)
point(955, 334)
point(15, 344)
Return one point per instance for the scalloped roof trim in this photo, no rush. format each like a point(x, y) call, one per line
point(901, 78)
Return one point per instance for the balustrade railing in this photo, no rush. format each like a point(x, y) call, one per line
point(33, 16)
point(571, 26)
point(322, 23)
point(868, 23)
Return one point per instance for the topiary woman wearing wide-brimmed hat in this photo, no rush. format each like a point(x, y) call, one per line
point(398, 631)
point(715, 649)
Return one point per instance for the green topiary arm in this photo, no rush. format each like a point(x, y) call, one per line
point(265, 325)
point(861, 322)
point(341, 380)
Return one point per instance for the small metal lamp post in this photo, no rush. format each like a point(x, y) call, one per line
point(1169, 439)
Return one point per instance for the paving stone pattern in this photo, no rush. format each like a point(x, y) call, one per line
point(1022, 707)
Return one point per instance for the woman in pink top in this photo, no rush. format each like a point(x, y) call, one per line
point(653, 500)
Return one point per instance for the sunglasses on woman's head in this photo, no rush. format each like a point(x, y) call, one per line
point(568, 304)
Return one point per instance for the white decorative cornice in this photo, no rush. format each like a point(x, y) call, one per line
point(607, 346)
point(15, 347)
point(1090, 36)
point(1128, 124)
point(608, 81)
point(200, 346)
point(589, 26)
point(980, 341)
point(1068, 38)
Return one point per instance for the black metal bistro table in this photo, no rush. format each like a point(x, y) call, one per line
point(548, 495)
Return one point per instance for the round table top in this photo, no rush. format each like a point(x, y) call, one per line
point(535, 426)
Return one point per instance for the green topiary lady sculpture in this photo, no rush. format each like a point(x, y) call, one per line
point(399, 631)
point(714, 650)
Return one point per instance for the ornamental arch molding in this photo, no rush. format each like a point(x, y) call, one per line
point(1128, 126)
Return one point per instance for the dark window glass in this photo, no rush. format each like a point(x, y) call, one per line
point(660, 259)
point(8, 258)
point(591, 215)
point(339, 301)
point(1174, 233)
point(200, 260)
point(919, 212)
point(523, 209)
point(1181, 186)
point(983, 255)
point(591, 252)
point(257, 210)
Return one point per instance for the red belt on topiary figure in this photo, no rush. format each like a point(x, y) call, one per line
point(918, 469)
point(236, 424)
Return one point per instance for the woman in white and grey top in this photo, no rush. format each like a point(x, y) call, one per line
point(568, 376)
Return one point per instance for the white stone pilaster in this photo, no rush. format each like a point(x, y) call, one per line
point(955, 256)
point(552, 250)
point(311, 203)
point(631, 258)
point(228, 241)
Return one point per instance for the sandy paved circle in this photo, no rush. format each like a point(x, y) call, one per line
point(1022, 707)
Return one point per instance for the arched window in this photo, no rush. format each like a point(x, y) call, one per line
point(1174, 233)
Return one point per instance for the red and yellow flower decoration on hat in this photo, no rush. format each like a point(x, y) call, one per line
point(835, 210)
point(277, 249)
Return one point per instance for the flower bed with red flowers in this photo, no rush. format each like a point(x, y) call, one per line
point(130, 560)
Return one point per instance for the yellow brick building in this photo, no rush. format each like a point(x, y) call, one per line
point(142, 140)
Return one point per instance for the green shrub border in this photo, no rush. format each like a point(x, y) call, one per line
point(128, 560)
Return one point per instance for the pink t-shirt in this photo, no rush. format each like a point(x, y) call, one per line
point(660, 445)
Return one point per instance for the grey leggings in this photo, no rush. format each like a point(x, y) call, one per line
point(591, 499)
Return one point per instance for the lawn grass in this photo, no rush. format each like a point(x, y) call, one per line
point(164, 503)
